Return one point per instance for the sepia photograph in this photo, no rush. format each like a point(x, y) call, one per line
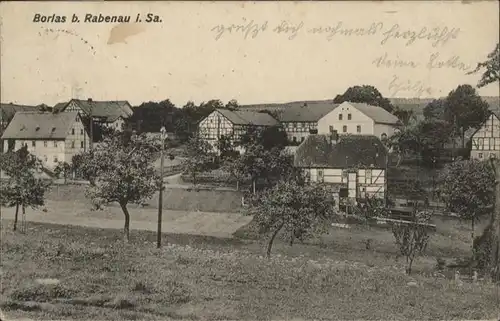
point(237, 160)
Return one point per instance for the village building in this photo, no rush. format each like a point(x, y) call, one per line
point(232, 124)
point(111, 114)
point(486, 140)
point(354, 166)
point(51, 137)
point(298, 119)
point(359, 119)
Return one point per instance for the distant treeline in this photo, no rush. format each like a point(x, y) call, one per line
point(151, 116)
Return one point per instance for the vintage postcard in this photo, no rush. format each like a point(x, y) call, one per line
point(250, 160)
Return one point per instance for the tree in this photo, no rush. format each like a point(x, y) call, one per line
point(365, 94)
point(465, 108)
point(63, 169)
point(232, 104)
point(412, 236)
point(122, 171)
point(22, 189)
point(467, 187)
point(297, 210)
point(226, 148)
point(491, 67)
point(435, 110)
point(200, 156)
point(405, 116)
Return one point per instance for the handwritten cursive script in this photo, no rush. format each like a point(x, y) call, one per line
point(250, 28)
point(436, 35)
point(415, 89)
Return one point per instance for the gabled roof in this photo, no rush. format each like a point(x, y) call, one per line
point(350, 150)
point(297, 111)
point(108, 111)
point(7, 111)
point(40, 125)
point(238, 117)
point(378, 114)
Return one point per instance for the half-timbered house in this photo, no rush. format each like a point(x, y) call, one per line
point(486, 140)
point(232, 124)
point(355, 164)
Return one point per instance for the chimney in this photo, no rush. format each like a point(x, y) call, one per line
point(334, 137)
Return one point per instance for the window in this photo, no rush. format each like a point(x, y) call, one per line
point(44, 143)
point(33, 143)
point(303, 125)
point(368, 176)
point(358, 128)
point(321, 177)
point(294, 139)
point(81, 131)
point(331, 129)
point(344, 129)
point(340, 116)
point(72, 131)
point(81, 145)
point(294, 125)
point(349, 116)
point(480, 155)
point(344, 176)
point(55, 159)
point(73, 144)
point(55, 143)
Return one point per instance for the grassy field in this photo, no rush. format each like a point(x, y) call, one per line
point(210, 278)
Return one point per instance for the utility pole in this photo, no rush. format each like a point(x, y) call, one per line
point(163, 136)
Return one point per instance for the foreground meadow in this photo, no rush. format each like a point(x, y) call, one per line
point(61, 272)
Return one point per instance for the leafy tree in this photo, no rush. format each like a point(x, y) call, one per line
point(297, 210)
point(63, 169)
point(122, 171)
point(465, 108)
point(405, 116)
point(491, 67)
point(151, 116)
point(435, 110)
point(365, 94)
point(267, 137)
point(412, 236)
point(200, 156)
point(226, 148)
point(232, 104)
point(467, 187)
point(22, 189)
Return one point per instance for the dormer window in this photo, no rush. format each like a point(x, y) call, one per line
point(23, 128)
point(53, 129)
point(37, 128)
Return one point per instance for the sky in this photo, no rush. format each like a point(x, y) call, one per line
point(190, 53)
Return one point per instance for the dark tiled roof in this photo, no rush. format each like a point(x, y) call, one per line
point(7, 111)
point(40, 125)
point(297, 111)
point(248, 117)
point(350, 150)
point(108, 111)
point(378, 114)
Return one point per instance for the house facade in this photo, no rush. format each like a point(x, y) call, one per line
point(355, 165)
point(486, 140)
point(298, 119)
point(52, 138)
point(359, 119)
point(111, 114)
point(232, 124)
